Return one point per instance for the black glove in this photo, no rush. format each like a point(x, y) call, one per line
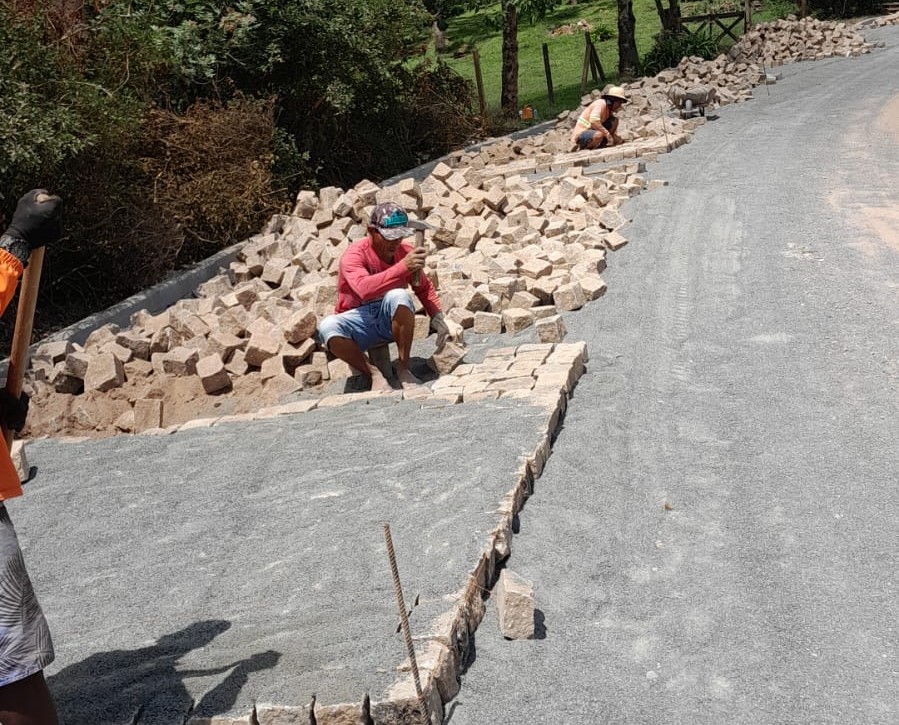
point(34, 224)
point(13, 412)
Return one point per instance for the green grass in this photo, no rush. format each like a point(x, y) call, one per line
point(566, 53)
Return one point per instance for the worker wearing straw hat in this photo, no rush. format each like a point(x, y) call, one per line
point(597, 126)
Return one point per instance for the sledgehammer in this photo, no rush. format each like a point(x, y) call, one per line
point(419, 226)
point(21, 339)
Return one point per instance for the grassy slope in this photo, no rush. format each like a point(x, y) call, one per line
point(566, 53)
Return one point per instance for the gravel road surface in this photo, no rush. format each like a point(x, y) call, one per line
point(745, 372)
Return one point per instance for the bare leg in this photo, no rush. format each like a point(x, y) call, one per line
point(349, 351)
point(27, 702)
point(403, 328)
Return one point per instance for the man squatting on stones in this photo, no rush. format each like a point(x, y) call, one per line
point(373, 305)
point(25, 645)
point(597, 126)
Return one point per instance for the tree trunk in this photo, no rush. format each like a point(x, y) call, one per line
point(440, 43)
point(628, 59)
point(509, 94)
point(669, 16)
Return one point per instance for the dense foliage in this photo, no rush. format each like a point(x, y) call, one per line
point(175, 127)
point(669, 48)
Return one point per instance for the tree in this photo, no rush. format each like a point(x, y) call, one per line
point(670, 16)
point(509, 92)
point(628, 59)
point(528, 10)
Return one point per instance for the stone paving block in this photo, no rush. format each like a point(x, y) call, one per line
point(212, 374)
point(75, 364)
point(448, 359)
point(122, 353)
point(462, 316)
point(593, 285)
point(237, 364)
point(260, 347)
point(308, 375)
point(488, 323)
point(180, 361)
point(104, 372)
point(514, 597)
point(54, 352)
point(294, 355)
point(300, 326)
point(223, 344)
point(147, 414)
point(569, 297)
point(550, 329)
point(614, 240)
point(422, 327)
point(516, 319)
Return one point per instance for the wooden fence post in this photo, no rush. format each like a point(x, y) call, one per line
point(480, 81)
point(585, 68)
point(747, 15)
point(549, 76)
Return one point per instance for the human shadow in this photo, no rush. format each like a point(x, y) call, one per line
point(124, 686)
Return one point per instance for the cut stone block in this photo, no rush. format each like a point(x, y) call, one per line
point(462, 316)
point(212, 373)
point(308, 375)
point(181, 361)
point(569, 297)
point(223, 344)
point(54, 352)
point(614, 240)
point(422, 327)
point(515, 605)
point(20, 460)
point(261, 347)
point(516, 319)
point(139, 345)
point(104, 372)
point(272, 367)
point(147, 414)
point(551, 329)
point(593, 285)
point(122, 353)
point(237, 365)
point(62, 382)
point(488, 323)
point(76, 364)
point(338, 369)
point(300, 326)
point(448, 359)
point(524, 299)
point(295, 355)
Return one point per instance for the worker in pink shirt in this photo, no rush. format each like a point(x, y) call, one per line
point(373, 303)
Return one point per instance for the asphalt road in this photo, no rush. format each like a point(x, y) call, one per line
point(745, 372)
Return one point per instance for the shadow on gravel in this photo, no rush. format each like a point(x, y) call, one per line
point(134, 686)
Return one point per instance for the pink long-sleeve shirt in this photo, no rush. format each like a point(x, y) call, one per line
point(364, 277)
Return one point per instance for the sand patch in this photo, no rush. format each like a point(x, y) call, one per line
point(888, 119)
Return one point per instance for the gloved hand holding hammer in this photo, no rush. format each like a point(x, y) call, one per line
point(35, 223)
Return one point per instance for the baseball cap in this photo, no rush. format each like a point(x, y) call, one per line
point(391, 221)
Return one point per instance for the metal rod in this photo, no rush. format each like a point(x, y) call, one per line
point(404, 618)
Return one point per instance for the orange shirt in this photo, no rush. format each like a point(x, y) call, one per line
point(10, 271)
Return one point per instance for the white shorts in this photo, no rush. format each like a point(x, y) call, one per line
point(25, 644)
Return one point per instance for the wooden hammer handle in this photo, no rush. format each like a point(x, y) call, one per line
point(21, 341)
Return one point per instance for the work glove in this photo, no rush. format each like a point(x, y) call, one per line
point(12, 411)
point(446, 330)
point(35, 223)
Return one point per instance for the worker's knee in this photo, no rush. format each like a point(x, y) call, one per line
point(395, 300)
point(333, 326)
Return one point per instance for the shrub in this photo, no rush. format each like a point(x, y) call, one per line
point(669, 48)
